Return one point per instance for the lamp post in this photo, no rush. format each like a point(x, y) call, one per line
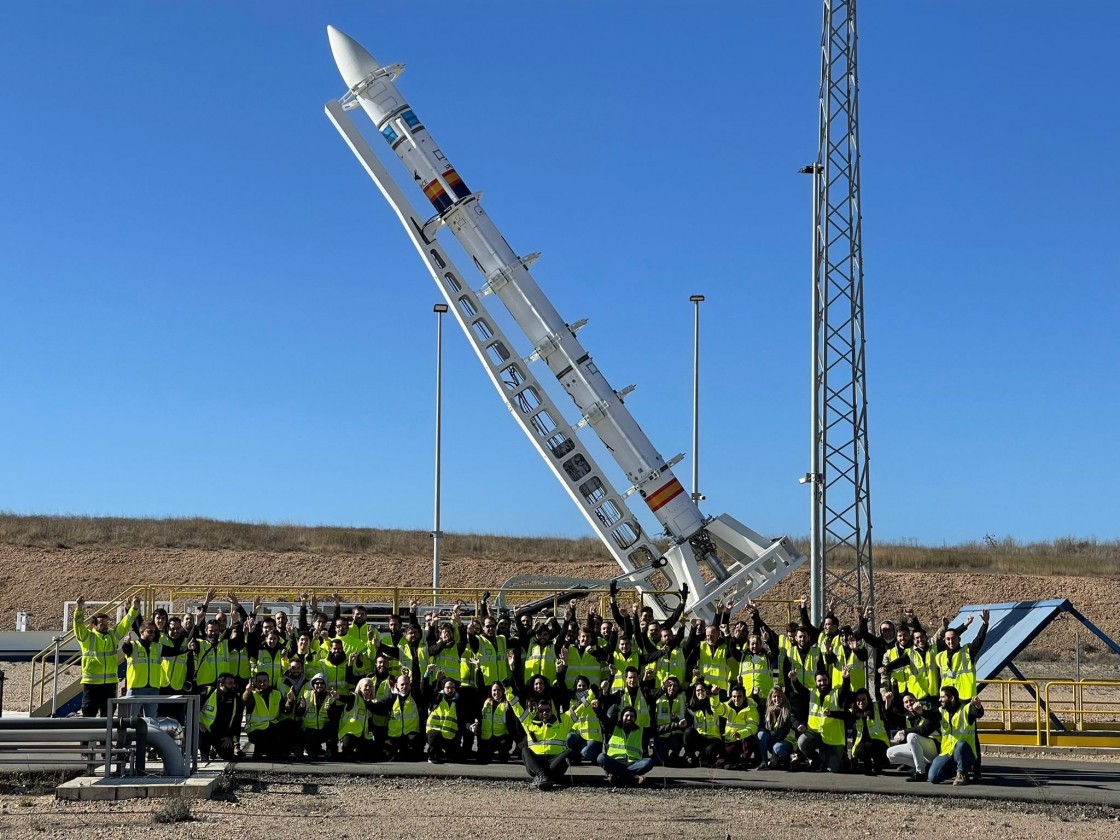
point(439, 309)
point(814, 478)
point(697, 496)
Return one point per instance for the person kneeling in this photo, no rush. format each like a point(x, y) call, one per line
point(958, 737)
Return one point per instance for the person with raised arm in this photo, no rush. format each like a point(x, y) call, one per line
point(98, 641)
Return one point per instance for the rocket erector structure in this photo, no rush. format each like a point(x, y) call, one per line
point(716, 557)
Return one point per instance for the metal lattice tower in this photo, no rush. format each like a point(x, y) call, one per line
point(840, 557)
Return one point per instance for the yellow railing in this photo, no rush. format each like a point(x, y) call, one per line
point(49, 675)
point(1088, 709)
point(1018, 711)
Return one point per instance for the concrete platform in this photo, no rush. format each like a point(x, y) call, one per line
point(1017, 779)
point(87, 788)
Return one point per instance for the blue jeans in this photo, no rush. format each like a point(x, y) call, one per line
point(624, 772)
point(944, 766)
point(665, 746)
point(588, 750)
point(147, 710)
point(767, 744)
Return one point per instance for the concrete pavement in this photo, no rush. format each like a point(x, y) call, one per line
point(1019, 779)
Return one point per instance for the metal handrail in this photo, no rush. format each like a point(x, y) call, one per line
point(1077, 706)
point(1010, 708)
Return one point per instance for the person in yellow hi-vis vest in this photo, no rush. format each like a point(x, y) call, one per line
point(958, 737)
point(702, 738)
point(262, 709)
point(870, 727)
point(824, 742)
point(740, 716)
point(98, 641)
point(144, 673)
point(219, 722)
point(493, 726)
point(404, 739)
point(444, 729)
point(623, 758)
point(355, 733)
point(550, 740)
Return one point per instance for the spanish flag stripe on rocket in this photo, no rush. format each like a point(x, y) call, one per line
point(665, 495)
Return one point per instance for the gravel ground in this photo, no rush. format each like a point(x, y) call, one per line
point(296, 807)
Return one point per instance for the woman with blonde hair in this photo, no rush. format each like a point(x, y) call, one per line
point(774, 733)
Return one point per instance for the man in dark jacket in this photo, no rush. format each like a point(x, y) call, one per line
point(220, 720)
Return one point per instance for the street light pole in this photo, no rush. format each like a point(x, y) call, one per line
point(697, 496)
point(814, 478)
point(439, 309)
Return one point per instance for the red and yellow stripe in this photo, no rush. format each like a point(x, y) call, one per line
point(666, 494)
point(452, 178)
point(434, 190)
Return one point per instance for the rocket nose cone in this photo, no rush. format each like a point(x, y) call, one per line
point(354, 62)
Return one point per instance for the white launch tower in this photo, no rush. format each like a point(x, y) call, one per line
point(717, 557)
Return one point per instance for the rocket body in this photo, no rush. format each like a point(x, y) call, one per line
point(373, 87)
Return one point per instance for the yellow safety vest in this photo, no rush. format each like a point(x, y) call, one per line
point(492, 723)
point(239, 662)
point(740, 724)
point(581, 665)
point(957, 670)
point(273, 663)
point(899, 676)
point(175, 669)
point(619, 664)
point(670, 710)
point(444, 719)
point(874, 727)
point(99, 650)
point(419, 668)
point(625, 746)
point(336, 677)
point(382, 688)
point(671, 664)
point(209, 711)
point(587, 723)
point(706, 721)
point(356, 720)
point(640, 704)
point(540, 659)
point(713, 665)
point(957, 727)
point(265, 711)
point(145, 666)
point(921, 676)
point(805, 665)
point(857, 676)
point(404, 717)
point(315, 715)
point(548, 738)
point(211, 660)
point(830, 729)
point(755, 672)
point(448, 661)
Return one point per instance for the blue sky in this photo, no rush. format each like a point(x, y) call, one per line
point(208, 309)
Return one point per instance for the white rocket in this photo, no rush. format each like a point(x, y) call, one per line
point(755, 562)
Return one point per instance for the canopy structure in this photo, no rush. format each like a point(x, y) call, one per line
point(1013, 626)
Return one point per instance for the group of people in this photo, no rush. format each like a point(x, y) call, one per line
point(626, 692)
